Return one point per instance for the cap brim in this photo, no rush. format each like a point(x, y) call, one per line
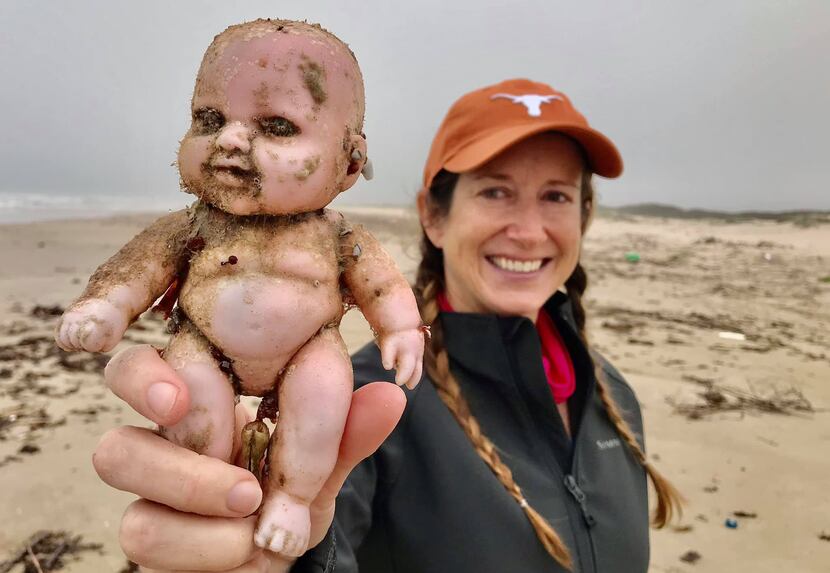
point(602, 154)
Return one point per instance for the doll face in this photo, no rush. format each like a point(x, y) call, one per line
point(274, 116)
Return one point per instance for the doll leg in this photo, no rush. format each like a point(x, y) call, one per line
point(314, 398)
point(208, 426)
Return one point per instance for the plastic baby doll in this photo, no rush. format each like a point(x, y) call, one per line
point(261, 270)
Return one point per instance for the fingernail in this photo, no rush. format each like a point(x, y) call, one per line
point(161, 397)
point(244, 497)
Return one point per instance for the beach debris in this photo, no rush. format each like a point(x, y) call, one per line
point(685, 528)
point(47, 551)
point(767, 441)
point(745, 514)
point(824, 536)
point(732, 335)
point(691, 557)
point(46, 312)
point(720, 398)
point(768, 257)
point(129, 567)
point(731, 523)
point(632, 257)
point(825, 279)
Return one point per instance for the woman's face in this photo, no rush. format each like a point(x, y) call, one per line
point(513, 232)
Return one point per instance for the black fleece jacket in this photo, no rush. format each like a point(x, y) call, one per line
point(426, 502)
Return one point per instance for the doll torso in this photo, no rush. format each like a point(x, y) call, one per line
point(259, 288)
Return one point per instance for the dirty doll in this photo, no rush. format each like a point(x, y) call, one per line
point(260, 270)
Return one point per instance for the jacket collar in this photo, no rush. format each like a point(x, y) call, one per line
point(476, 341)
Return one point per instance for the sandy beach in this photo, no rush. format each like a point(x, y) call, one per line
point(721, 328)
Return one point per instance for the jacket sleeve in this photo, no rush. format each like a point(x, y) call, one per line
point(353, 512)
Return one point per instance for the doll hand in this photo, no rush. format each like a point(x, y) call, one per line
point(403, 350)
point(94, 325)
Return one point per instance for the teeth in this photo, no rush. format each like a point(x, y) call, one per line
point(517, 266)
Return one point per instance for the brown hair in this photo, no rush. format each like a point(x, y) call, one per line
point(429, 282)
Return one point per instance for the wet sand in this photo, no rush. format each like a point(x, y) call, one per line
point(720, 327)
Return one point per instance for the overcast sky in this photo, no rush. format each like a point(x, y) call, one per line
point(715, 104)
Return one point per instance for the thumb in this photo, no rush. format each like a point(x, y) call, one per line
point(374, 413)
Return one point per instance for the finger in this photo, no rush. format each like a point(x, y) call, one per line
point(387, 355)
point(140, 377)
point(59, 334)
point(405, 366)
point(374, 413)
point(152, 536)
point(416, 374)
point(263, 562)
point(140, 462)
point(74, 336)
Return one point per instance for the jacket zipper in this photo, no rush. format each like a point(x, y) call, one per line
point(579, 496)
point(573, 487)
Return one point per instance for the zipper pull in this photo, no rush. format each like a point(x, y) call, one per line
point(579, 496)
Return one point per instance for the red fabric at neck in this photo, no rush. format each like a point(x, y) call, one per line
point(556, 361)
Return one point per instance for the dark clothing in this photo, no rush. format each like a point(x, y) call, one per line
point(426, 502)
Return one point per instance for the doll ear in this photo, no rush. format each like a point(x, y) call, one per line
point(357, 160)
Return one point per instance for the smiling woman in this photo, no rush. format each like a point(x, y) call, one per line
point(504, 462)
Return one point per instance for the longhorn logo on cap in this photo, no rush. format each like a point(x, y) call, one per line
point(532, 102)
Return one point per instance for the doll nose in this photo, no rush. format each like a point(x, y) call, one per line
point(234, 137)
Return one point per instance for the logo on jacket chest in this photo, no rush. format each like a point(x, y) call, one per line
point(608, 444)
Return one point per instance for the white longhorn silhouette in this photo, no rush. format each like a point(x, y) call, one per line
point(532, 102)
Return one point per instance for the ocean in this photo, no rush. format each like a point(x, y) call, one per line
point(27, 207)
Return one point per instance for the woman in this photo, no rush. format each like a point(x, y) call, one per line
point(523, 453)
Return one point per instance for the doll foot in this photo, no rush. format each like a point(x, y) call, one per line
point(284, 526)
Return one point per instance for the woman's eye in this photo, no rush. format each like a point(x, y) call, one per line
point(278, 127)
point(493, 193)
point(557, 197)
point(207, 120)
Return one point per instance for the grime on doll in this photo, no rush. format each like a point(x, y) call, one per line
point(257, 273)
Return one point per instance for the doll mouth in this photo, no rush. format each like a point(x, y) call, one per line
point(233, 174)
point(232, 170)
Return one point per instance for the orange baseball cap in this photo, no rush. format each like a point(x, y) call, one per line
point(485, 122)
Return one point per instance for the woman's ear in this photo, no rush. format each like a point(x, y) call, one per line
point(432, 223)
point(356, 150)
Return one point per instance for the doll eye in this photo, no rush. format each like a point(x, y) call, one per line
point(278, 127)
point(207, 120)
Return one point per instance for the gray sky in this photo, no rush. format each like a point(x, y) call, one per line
point(714, 104)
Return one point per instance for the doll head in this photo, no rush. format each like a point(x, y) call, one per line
point(277, 116)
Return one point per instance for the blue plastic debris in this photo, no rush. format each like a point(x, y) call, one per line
point(731, 523)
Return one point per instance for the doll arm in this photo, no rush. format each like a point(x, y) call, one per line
point(387, 302)
point(125, 286)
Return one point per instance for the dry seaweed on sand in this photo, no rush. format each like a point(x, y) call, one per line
point(48, 551)
point(46, 312)
point(716, 398)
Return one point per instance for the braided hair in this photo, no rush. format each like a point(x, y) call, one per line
point(429, 282)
